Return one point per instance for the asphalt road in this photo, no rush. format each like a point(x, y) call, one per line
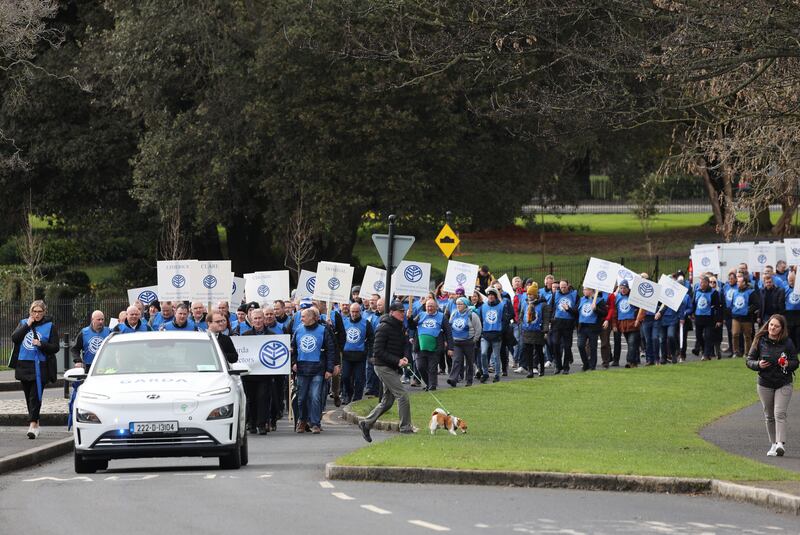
point(283, 490)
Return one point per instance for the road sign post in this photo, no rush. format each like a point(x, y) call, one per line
point(392, 248)
point(390, 267)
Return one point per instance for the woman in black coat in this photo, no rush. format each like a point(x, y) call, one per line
point(34, 359)
point(774, 357)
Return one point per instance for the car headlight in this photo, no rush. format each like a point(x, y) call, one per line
point(86, 417)
point(217, 392)
point(220, 413)
point(91, 395)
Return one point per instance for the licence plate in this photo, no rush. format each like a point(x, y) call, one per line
point(139, 428)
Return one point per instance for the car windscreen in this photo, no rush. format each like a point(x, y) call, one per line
point(156, 356)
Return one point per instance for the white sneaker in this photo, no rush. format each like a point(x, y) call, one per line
point(33, 432)
point(520, 370)
point(548, 364)
point(405, 380)
point(779, 449)
point(773, 451)
point(535, 371)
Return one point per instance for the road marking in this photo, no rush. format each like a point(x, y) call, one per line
point(48, 478)
point(342, 496)
point(700, 525)
point(326, 485)
point(481, 525)
point(428, 525)
point(376, 509)
point(132, 478)
point(210, 476)
point(264, 476)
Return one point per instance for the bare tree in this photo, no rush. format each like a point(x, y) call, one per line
point(645, 199)
point(31, 251)
point(173, 244)
point(299, 244)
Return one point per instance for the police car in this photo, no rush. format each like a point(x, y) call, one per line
point(159, 394)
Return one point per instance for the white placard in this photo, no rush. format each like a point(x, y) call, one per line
point(411, 278)
point(780, 251)
point(113, 322)
point(374, 282)
point(334, 281)
point(672, 292)
point(601, 275)
point(792, 248)
point(305, 284)
point(624, 273)
point(732, 254)
point(705, 258)
point(175, 280)
point(266, 286)
point(145, 294)
point(644, 294)
point(505, 282)
point(237, 292)
point(460, 274)
point(761, 255)
point(265, 355)
point(212, 280)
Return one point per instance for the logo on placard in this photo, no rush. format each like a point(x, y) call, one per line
point(379, 285)
point(209, 281)
point(460, 323)
point(586, 310)
point(95, 343)
point(353, 335)
point(624, 306)
point(429, 323)
point(233, 288)
point(461, 278)
point(624, 274)
point(702, 302)
point(491, 316)
point(646, 290)
point(413, 273)
point(310, 283)
point(273, 354)
point(738, 302)
point(179, 281)
point(308, 344)
point(147, 297)
point(27, 343)
point(794, 298)
point(333, 283)
point(795, 251)
point(762, 259)
point(602, 275)
point(706, 261)
point(669, 292)
point(263, 290)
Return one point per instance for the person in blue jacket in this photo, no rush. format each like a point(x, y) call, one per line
point(495, 317)
point(591, 312)
point(670, 322)
point(313, 360)
point(565, 311)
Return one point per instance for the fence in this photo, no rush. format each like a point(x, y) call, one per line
point(574, 272)
point(601, 206)
point(69, 316)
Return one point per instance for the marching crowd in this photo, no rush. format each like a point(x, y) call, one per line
point(354, 349)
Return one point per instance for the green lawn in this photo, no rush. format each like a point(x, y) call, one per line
point(100, 272)
point(642, 421)
point(626, 223)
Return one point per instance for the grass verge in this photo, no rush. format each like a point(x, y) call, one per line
point(642, 422)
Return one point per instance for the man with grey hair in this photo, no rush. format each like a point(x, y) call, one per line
point(88, 340)
point(198, 317)
point(133, 322)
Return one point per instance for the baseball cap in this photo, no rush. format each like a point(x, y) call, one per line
point(306, 302)
point(493, 291)
point(397, 306)
point(624, 283)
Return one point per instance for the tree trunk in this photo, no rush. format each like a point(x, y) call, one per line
point(713, 194)
point(250, 247)
point(206, 245)
point(762, 220)
point(784, 225)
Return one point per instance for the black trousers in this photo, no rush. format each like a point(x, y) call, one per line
point(428, 367)
point(32, 400)
point(533, 357)
point(257, 391)
point(563, 348)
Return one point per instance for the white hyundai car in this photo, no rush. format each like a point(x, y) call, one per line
point(159, 394)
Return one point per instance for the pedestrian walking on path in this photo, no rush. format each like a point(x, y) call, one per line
point(774, 357)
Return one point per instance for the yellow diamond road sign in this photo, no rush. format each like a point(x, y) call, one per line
point(447, 240)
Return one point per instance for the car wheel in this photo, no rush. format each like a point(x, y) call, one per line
point(232, 460)
point(82, 466)
point(243, 451)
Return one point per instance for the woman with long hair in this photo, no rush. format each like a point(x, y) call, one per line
point(774, 357)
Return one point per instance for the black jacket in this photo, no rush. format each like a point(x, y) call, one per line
point(389, 342)
point(25, 370)
point(769, 350)
point(227, 347)
point(773, 301)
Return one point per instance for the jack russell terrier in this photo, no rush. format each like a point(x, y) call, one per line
point(441, 420)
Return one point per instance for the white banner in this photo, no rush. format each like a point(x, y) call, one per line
point(644, 294)
point(305, 284)
point(761, 255)
point(625, 274)
point(374, 282)
point(266, 286)
point(731, 255)
point(145, 294)
point(412, 278)
point(175, 280)
point(334, 281)
point(705, 258)
point(265, 355)
point(237, 292)
point(792, 246)
point(212, 280)
point(601, 275)
point(506, 283)
point(460, 274)
point(672, 292)
point(780, 252)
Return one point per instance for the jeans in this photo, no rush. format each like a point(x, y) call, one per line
point(650, 329)
point(518, 347)
point(353, 379)
point(392, 389)
point(428, 367)
point(632, 338)
point(588, 332)
point(309, 396)
point(463, 361)
point(562, 348)
point(668, 337)
point(373, 383)
point(495, 346)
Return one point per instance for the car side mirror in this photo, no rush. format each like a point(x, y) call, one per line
point(75, 374)
point(238, 368)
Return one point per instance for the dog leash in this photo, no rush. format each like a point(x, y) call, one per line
point(426, 389)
